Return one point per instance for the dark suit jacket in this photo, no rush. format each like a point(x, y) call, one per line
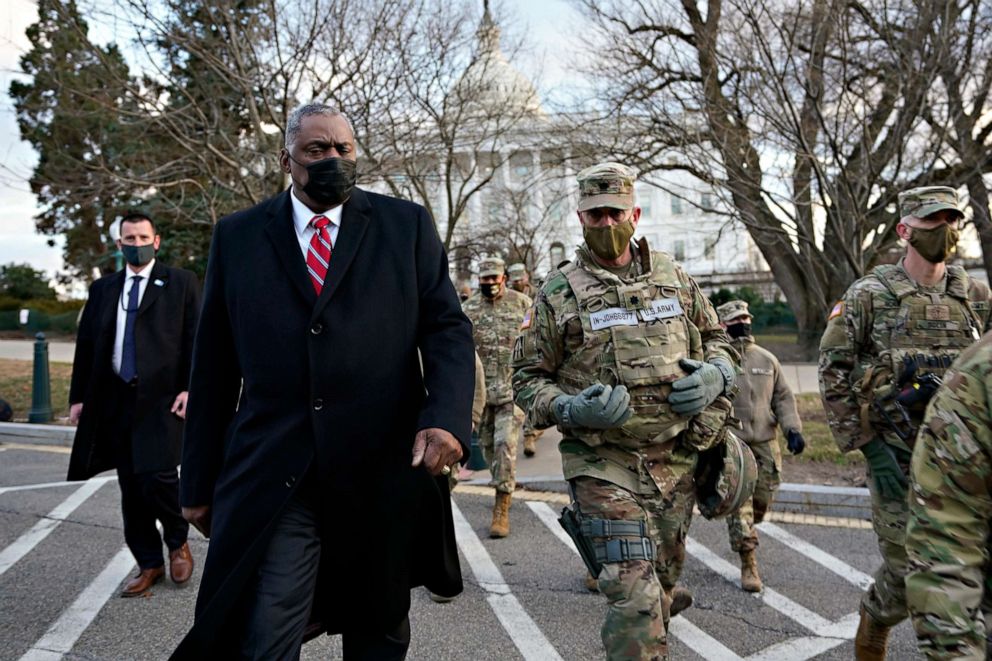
point(164, 333)
point(332, 385)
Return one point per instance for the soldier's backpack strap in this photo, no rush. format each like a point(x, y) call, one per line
point(895, 280)
point(975, 295)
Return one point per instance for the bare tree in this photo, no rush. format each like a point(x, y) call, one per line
point(804, 115)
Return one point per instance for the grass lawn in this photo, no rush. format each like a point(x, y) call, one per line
point(15, 387)
point(820, 444)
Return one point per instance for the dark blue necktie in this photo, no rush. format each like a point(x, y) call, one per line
point(129, 364)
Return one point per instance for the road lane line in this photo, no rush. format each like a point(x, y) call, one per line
point(695, 638)
point(48, 485)
point(73, 621)
point(818, 555)
point(797, 649)
point(44, 527)
point(523, 631)
point(792, 610)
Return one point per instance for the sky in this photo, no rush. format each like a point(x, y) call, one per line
point(543, 23)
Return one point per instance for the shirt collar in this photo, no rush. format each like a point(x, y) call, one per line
point(302, 214)
point(145, 272)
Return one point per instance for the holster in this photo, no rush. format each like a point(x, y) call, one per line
point(570, 522)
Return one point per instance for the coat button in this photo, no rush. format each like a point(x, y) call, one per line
point(318, 404)
point(291, 481)
point(317, 329)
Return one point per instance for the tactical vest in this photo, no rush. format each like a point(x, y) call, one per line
point(923, 333)
point(633, 334)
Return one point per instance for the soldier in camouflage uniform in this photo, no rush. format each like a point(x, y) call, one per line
point(763, 400)
point(949, 582)
point(496, 313)
point(520, 281)
point(887, 344)
point(625, 355)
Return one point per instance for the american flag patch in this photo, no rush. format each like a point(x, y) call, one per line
point(526, 322)
point(837, 311)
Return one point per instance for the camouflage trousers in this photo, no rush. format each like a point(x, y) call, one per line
point(885, 600)
point(637, 591)
point(530, 433)
point(740, 524)
point(499, 431)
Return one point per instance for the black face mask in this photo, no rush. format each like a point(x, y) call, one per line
point(330, 180)
point(138, 255)
point(739, 330)
point(489, 290)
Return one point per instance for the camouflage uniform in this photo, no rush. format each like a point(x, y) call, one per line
point(517, 272)
point(763, 400)
point(495, 324)
point(590, 325)
point(949, 581)
point(886, 327)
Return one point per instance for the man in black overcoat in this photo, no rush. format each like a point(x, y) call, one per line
point(128, 395)
point(332, 385)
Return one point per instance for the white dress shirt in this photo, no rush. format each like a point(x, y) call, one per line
point(145, 273)
point(302, 215)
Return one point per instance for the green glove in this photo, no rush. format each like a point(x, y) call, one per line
point(596, 407)
point(691, 394)
point(885, 470)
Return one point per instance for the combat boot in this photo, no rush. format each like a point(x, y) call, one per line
point(872, 639)
point(501, 516)
point(750, 580)
point(681, 599)
point(530, 445)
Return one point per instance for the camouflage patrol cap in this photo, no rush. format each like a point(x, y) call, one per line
point(517, 271)
point(491, 266)
point(606, 185)
point(925, 200)
point(732, 310)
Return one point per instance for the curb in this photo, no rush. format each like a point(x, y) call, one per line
point(793, 498)
point(33, 434)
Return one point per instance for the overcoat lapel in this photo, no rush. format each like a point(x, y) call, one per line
point(157, 281)
point(354, 222)
point(283, 236)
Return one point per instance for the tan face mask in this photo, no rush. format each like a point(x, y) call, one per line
point(934, 245)
point(609, 242)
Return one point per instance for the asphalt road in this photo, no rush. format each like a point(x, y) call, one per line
point(62, 561)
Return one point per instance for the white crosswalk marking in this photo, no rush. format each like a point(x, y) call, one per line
point(526, 635)
point(62, 635)
point(44, 527)
point(49, 485)
point(818, 555)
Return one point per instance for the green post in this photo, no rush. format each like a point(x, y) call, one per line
point(41, 393)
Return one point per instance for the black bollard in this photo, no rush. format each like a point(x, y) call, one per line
point(41, 392)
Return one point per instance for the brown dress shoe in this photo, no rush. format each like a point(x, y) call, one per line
point(141, 585)
point(181, 564)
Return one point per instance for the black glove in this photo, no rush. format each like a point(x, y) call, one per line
point(885, 470)
point(795, 442)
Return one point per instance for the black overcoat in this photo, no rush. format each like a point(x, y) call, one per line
point(164, 331)
point(284, 381)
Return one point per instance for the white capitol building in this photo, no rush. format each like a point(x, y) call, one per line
point(532, 197)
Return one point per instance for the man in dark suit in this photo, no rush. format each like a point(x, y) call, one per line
point(331, 391)
point(128, 396)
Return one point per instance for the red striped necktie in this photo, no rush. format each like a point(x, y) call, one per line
point(319, 252)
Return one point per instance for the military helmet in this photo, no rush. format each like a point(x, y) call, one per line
point(725, 478)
